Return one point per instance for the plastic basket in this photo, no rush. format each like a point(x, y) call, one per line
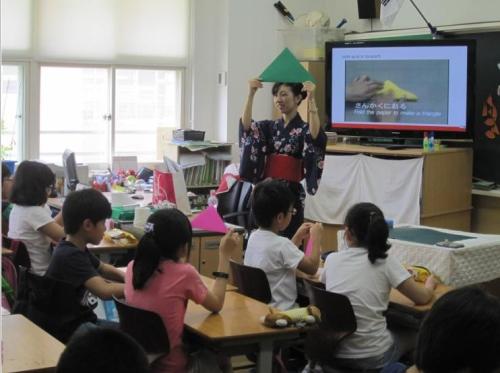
point(120, 213)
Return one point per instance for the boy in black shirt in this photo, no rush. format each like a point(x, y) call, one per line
point(84, 213)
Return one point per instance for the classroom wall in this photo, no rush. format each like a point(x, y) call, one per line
point(248, 41)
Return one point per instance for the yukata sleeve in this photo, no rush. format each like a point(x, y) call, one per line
point(314, 159)
point(254, 149)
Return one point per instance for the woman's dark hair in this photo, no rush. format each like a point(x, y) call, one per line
point(5, 171)
point(367, 223)
point(296, 89)
point(31, 181)
point(269, 198)
point(167, 230)
point(460, 333)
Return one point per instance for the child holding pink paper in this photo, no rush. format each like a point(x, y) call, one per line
point(278, 256)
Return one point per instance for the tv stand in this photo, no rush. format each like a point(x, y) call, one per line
point(390, 143)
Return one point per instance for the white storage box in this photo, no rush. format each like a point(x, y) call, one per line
point(309, 43)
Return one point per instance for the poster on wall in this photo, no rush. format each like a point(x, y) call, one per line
point(487, 107)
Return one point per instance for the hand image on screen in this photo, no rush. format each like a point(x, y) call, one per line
point(362, 88)
point(386, 112)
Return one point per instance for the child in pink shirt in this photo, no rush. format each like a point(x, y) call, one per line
point(159, 280)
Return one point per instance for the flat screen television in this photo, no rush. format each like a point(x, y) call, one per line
point(399, 89)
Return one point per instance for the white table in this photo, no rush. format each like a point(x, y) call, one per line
point(478, 261)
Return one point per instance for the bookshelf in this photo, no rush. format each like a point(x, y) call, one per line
point(203, 162)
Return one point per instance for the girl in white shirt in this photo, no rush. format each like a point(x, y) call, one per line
point(365, 274)
point(30, 220)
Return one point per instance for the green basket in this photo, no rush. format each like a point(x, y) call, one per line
point(121, 213)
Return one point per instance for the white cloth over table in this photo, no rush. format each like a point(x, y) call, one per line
point(478, 261)
point(393, 185)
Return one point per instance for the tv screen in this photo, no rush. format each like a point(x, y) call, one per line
point(400, 89)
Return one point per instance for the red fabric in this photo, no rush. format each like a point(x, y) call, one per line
point(227, 182)
point(163, 187)
point(280, 166)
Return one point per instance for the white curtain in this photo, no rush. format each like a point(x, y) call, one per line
point(393, 185)
point(124, 31)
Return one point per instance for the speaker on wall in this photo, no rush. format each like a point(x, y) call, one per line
point(368, 9)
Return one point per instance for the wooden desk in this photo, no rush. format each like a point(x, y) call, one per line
point(204, 254)
point(238, 325)
point(27, 348)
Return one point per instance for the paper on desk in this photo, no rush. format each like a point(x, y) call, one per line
point(209, 220)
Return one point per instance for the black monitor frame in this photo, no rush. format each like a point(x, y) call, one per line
point(401, 134)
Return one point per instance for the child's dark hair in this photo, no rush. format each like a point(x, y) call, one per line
point(295, 87)
point(460, 333)
point(269, 198)
point(31, 181)
point(103, 350)
point(367, 223)
point(5, 171)
point(84, 204)
point(166, 231)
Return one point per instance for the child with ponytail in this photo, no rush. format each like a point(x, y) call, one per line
point(161, 281)
point(365, 273)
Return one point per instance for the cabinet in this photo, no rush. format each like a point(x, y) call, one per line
point(204, 254)
point(317, 69)
point(446, 184)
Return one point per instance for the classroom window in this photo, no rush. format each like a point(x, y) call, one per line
point(12, 116)
point(77, 111)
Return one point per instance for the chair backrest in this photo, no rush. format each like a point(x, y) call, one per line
point(251, 282)
point(20, 256)
point(146, 327)
point(53, 305)
point(234, 205)
point(337, 322)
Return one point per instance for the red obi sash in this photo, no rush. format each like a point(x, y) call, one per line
point(286, 167)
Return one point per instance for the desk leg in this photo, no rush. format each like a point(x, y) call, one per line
point(265, 361)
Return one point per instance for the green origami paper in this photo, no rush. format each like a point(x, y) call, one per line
point(286, 69)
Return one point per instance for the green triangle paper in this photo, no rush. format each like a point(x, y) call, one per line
point(286, 69)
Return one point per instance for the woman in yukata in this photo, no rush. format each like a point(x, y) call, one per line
point(287, 148)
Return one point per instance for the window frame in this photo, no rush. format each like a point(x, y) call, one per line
point(29, 139)
point(21, 132)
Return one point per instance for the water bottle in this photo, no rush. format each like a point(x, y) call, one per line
point(425, 143)
point(431, 141)
point(212, 200)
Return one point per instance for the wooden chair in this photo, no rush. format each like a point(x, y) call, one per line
point(337, 322)
point(251, 282)
point(146, 327)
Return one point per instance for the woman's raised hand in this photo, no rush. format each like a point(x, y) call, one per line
point(254, 85)
point(309, 87)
